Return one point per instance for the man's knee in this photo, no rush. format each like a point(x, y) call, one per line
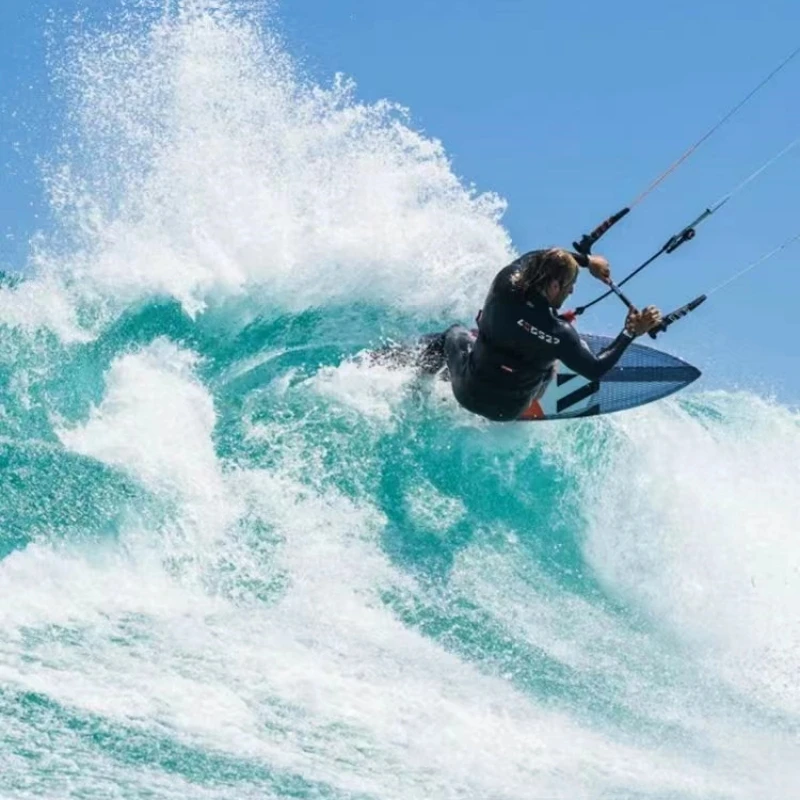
point(457, 339)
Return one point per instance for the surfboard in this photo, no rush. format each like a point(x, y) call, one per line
point(643, 375)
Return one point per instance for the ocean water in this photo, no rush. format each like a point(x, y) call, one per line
point(238, 562)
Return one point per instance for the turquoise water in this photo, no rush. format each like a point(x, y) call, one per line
point(237, 562)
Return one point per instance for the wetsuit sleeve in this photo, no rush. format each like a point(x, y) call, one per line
point(578, 357)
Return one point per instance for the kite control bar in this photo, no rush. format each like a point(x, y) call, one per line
point(584, 247)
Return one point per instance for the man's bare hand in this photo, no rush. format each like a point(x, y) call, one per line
point(640, 322)
point(599, 268)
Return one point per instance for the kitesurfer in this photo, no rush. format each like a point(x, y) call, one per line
point(509, 364)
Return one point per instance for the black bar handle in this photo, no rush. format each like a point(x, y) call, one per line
point(584, 246)
point(679, 313)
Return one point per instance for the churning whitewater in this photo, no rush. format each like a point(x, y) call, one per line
point(237, 561)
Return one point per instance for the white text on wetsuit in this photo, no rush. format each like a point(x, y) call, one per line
point(545, 337)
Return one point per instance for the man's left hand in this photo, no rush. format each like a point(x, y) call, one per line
point(640, 322)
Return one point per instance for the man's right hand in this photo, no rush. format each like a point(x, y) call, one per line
point(640, 322)
point(599, 268)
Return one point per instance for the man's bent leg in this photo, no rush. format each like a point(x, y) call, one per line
point(545, 383)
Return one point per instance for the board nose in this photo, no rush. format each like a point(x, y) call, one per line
point(692, 374)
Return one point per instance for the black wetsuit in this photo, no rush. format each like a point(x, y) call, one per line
point(509, 364)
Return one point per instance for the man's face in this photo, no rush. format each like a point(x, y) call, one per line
point(559, 292)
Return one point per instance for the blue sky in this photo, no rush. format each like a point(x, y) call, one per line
point(567, 110)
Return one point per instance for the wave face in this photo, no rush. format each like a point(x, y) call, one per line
point(236, 562)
